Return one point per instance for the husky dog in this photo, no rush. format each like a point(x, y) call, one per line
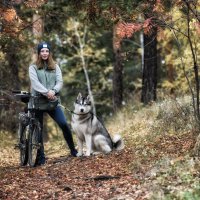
point(90, 130)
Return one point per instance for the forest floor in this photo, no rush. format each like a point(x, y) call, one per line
point(66, 177)
point(157, 163)
point(127, 174)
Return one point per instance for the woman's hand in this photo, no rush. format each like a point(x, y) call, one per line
point(51, 95)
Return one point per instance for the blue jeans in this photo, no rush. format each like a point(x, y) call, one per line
point(58, 116)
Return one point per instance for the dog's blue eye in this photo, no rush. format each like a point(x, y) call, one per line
point(87, 103)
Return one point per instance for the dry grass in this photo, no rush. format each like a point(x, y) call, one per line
point(172, 116)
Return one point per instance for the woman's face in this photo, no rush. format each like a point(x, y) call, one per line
point(44, 53)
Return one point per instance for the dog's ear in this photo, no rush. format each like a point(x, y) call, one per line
point(79, 96)
point(88, 98)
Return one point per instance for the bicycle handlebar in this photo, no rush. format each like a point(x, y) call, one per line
point(20, 92)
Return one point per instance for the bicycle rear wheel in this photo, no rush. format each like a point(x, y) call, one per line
point(34, 144)
point(23, 144)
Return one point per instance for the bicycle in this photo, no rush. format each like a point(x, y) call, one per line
point(29, 130)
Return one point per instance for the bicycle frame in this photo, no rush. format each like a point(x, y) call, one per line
point(29, 140)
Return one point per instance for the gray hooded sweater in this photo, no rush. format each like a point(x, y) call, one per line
point(43, 80)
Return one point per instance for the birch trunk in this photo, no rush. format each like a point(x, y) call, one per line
point(80, 50)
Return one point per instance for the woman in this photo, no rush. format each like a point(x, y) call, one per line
point(46, 80)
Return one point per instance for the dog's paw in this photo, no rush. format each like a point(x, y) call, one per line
point(79, 154)
point(87, 154)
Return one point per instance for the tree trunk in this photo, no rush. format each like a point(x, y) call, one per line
point(81, 53)
point(117, 81)
point(149, 79)
point(13, 73)
point(38, 29)
point(117, 73)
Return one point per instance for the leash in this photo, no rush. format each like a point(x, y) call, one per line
point(66, 108)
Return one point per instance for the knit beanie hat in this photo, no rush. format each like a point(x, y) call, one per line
point(43, 45)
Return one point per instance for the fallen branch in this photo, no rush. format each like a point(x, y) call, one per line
point(102, 177)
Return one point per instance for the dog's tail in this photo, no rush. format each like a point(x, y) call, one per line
point(118, 142)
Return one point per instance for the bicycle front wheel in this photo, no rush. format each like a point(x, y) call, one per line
point(23, 144)
point(34, 144)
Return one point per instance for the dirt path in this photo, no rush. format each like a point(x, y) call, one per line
point(96, 177)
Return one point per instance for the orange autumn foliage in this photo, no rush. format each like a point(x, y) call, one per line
point(8, 14)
